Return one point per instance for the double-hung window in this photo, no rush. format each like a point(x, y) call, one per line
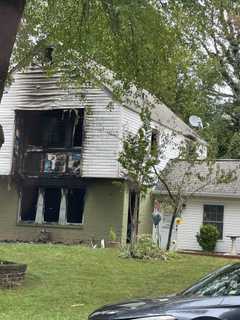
point(213, 214)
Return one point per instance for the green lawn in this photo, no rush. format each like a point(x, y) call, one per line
point(67, 282)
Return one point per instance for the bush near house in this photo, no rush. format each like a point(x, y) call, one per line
point(208, 236)
point(145, 249)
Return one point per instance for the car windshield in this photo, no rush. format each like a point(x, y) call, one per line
point(225, 282)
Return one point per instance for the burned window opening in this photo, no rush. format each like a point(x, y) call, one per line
point(47, 142)
point(75, 205)
point(52, 201)
point(42, 128)
point(29, 198)
point(52, 205)
point(50, 129)
point(32, 162)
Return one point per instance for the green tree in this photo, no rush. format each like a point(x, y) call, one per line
point(137, 160)
point(132, 38)
point(212, 29)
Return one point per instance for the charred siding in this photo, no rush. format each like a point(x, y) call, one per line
point(33, 90)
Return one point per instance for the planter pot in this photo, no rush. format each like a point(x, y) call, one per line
point(11, 274)
point(113, 244)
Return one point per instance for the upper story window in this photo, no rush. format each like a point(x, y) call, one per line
point(50, 129)
point(48, 143)
point(213, 214)
point(154, 139)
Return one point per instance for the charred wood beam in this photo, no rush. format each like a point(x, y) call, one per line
point(10, 15)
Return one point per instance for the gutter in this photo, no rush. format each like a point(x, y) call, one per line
point(202, 194)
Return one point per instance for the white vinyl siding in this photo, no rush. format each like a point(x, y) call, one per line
point(193, 219)
point(101, 131)
point(103, 128)
point(7, 122)
point(101, 136)
point(131, 122)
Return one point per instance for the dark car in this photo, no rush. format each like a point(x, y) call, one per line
point(214, 297)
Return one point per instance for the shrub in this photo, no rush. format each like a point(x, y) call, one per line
point(112, 235)
point(207, 237)
point(145, 249)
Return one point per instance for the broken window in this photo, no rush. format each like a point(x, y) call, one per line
point(29, 197)
point(51, 129)
point(52, 201)
point(52, 205)
point(75, 205)
point(43, 128)
point(38, 133)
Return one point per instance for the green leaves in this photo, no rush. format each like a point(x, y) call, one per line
point(137, 157)
point(183, 52)
point(131, 38)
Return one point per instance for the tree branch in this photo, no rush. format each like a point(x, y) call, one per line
point(163, 181)
point(10, 15)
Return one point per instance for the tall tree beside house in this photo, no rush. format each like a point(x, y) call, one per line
point(212, 29)
point(166, 48)
point(137, 160)
point(181, 51)
point(143, 48)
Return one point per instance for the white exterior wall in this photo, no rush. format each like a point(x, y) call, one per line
point(102, 127)
point(131, 122)
point(7, 122)
point(193, 218)
point(33, 90)
point(101, 144)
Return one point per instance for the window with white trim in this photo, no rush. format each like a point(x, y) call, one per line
point(214, 214)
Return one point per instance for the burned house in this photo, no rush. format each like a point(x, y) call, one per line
point(58, 165)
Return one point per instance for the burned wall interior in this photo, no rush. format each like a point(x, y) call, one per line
point(48, 142)
point(47, 151)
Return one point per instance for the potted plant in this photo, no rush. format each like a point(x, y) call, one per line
point(112, 242)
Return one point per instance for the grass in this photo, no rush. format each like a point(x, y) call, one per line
point(68, 282)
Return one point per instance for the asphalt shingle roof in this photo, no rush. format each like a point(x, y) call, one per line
point(229, 188)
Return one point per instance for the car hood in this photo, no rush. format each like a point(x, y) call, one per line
point(153, 307)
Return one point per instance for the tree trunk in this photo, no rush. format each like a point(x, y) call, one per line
point(171, 229)
point(134, 220)
point(10, 15)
